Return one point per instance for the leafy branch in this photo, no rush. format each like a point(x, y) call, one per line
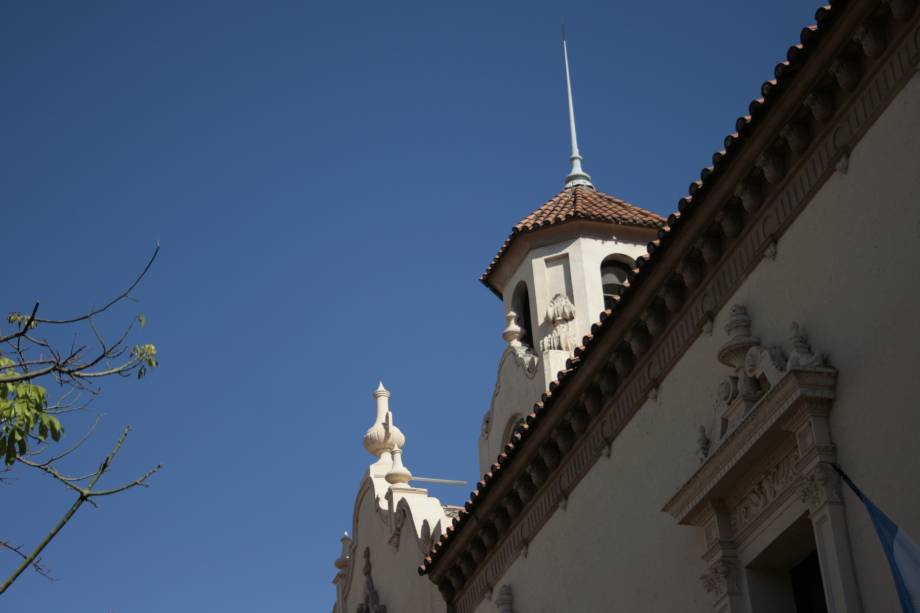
point(31, 424)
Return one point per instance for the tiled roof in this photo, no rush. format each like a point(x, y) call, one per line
point(579, 202)
point(785, 72)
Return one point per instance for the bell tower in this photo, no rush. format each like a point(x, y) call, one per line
point(560, 267)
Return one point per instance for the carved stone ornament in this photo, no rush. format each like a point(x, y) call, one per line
point(722, 579)
point(756, 367)
point(775, 482)
point(821, 487)
point(371, 602)
point(760, 390)
point(703, 444)
point(559, 313)
point(505, 600)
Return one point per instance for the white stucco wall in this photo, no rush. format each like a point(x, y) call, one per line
point(394, 569)
point(847, 270)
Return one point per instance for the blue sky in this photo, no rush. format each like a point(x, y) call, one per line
point(327, 182)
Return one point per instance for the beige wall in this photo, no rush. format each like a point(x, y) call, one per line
point(847, 269)
point(394, 569)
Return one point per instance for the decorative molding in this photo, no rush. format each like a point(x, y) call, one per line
point(850, 115)
point(780, 478)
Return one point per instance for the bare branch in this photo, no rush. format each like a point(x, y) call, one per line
point(37, 565)
point(111, 303)
point(85, 494)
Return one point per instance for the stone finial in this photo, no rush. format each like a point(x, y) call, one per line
point(740, 340)
point(398, 475)
point(344, 558)
point(382, 437)
point(512, 332)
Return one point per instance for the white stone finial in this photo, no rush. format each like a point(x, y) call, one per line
point(398, 475)
point(512, 332)
point(383, 436)
point(577, 176)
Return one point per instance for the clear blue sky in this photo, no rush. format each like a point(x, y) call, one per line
point(327, 181)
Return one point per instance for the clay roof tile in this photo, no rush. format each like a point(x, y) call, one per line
point(578, 202)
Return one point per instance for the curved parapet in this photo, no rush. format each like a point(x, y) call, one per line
point(393, 526)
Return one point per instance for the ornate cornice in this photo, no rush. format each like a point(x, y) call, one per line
point(727, 226)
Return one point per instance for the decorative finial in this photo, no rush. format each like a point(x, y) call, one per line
point(383, 436)
point(398, 474)
point(344, 558)
point(577, 176)
point(512, 332)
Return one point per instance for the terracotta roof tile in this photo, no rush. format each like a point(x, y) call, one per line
point(573, 203)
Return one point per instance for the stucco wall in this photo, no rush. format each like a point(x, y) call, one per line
point(393, 569)
point(847, 270)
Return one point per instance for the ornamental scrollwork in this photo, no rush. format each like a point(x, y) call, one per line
point(777, 480)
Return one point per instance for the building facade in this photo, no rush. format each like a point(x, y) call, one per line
point(678, 454)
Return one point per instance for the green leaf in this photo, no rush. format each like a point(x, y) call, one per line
point(142, 319)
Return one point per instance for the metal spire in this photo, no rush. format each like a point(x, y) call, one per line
point(577, 176)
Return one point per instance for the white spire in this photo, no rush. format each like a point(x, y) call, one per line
point(577, 176)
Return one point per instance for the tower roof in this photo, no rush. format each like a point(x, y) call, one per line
point(579, 202)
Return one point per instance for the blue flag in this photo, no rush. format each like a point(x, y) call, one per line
point(902, 553)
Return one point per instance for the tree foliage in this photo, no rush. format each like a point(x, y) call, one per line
point(31, 424)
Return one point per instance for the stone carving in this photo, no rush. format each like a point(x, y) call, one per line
point(523, 355)
point(721, 579)
point(777, 480)
point(383, 436)
point(703, 444)
point(821, 487)
point(801, 355)
point(371, 603)
point(559, 313)
point(343, 562)
point(757, 367)
point(740, 340)
point(765, 365)
point(505, 600)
